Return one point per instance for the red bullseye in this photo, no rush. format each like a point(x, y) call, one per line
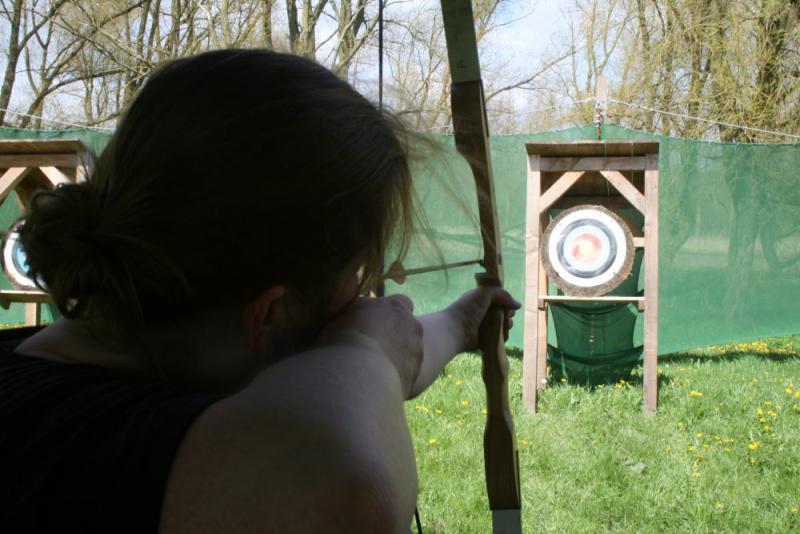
point(587, 248)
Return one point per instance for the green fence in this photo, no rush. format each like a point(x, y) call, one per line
point(729, 242)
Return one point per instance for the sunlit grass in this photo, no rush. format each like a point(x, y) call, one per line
point(721, 455)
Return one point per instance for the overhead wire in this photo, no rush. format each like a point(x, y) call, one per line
point(447, 126)
point(55, 121)
point(708, 121)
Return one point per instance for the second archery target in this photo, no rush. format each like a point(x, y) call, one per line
point(587, 250)
point(15, 263)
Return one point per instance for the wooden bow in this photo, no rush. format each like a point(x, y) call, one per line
point(472, 141)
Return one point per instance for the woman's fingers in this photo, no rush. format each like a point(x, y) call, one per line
point(503, 298)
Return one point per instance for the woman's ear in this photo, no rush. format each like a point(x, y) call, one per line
point(259, 316)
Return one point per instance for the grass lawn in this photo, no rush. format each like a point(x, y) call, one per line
point(721, 455)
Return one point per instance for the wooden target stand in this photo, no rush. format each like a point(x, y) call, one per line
point(612, 174)
point(27, 165)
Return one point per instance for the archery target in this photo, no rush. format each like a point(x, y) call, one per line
point(15, 262)
point(587, 250)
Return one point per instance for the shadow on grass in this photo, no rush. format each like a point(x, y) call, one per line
point(610, 379)
point(633, 376)
point(700, 356)
point(723, 357)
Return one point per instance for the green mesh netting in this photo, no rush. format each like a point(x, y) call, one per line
point(729, 248)
point(729, 245)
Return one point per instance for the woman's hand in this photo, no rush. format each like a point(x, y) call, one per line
point(385, 324)
point(470, 309)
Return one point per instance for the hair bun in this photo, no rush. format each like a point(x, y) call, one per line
point(62, 242)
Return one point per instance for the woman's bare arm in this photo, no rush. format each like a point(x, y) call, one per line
point(455, 330)
point(317, 443)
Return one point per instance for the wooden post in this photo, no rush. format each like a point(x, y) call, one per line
point(530, 380)
point(651, 286)
point(33, 314)
point(600, 104)
point(541, 347)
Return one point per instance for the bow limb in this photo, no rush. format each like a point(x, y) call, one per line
point(472, 141)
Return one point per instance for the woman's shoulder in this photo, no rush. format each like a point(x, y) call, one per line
point(316, 443)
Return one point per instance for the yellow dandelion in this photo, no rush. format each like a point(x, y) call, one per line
point(718, 505)
point(696, 474)
point(695, 393)
point(667, 449)
point(464, 402)
point(789, 391)
point(426, 409)
point(418, 407)
point(793, 509)
point(766, 428)
point(753, 461)
point(690, 448)
point(772, 414)
point(762, 420)
point(768, 403)
point(705, 445)
point(680, 424)
point(759, 412)
point(753, 445)
point(699, 435)
point(523, 442)
point(755, 381)
point(485, 411)
point(796, 395)
point(433, 441)
point(438, 411)
point(459, 382)
point(727, 449)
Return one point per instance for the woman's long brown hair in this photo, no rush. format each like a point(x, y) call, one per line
point(231, 172)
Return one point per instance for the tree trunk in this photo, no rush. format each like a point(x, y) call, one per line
point(13, 51)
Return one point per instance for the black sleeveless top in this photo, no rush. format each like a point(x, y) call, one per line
point(85, 449)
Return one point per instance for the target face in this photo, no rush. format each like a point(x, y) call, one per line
point(15, 263)
point(587, 250)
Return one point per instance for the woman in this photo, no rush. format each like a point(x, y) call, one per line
point(215, 370)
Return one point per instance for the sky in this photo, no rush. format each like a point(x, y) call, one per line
point(536, 23)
